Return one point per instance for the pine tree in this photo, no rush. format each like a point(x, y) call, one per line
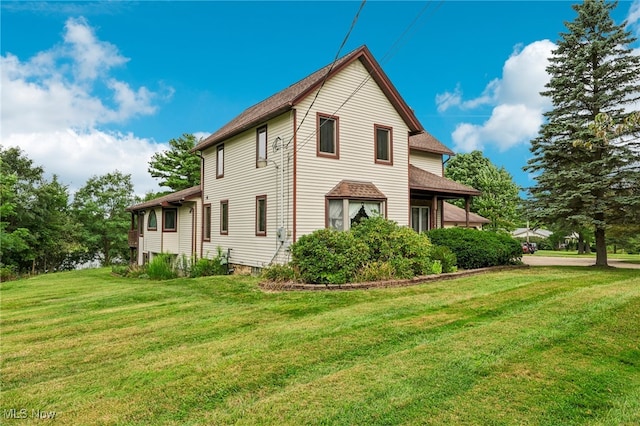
point(178, 168)
point(582, 177)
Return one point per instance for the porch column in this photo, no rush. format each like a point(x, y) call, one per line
point(467, 205)
point(434, 212)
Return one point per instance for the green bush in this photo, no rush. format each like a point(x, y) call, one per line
point(205, 267)
point(375, 271)
point(160, 268)
point(478, 249)
point(280, 273)
point(446, 257)
point(327, 256)
point(404, 249)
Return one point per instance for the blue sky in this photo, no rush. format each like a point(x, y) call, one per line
point(91, 87)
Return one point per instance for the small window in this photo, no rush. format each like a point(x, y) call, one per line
point(327, 136)
point(261, 144)
point(261, 215)
point(206, 222)
point(224, 217)
point(383, 145)
point(170, 220)
point(152, 222)
point(220, 161)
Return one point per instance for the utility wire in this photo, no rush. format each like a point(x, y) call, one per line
point(344, 41)
point(387, 56)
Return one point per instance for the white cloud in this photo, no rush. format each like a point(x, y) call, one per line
point(633, 17)
point(51, 109)
point(516, 100)
point(76, 156)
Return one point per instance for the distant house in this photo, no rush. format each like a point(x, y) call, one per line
point(528, 232)
point(455, 216)
point(338, 145)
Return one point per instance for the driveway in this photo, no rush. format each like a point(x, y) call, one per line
point(573, 261)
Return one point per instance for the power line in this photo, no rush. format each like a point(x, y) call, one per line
point(344, 41)
point(387, 56)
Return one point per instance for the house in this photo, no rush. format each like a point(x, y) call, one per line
point(336, 146)
point(456, 216)
point(528, 232)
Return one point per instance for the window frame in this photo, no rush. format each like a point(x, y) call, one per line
point(346, 219)
point(164, 220)
point(220, 161)
point(389, 130)
point(152, 213)
point(428, 216)
point(224, 227)
point(206, 222)
point(336, 135)
point(259, 199)
point(260, 130)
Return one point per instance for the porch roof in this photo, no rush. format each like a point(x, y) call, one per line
point(454, 214)
point(423, 180)
point(169, 199)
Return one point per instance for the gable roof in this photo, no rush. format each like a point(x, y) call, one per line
point(294, 94)
point(454, 214)
point(426, 142)
point(426, 181)
point(175, 198)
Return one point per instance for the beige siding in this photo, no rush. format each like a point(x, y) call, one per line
point(241, 183)
point(427, 161)
point(153, 239)
point(317, 176)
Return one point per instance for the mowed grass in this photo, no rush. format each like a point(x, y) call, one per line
point(545, 346)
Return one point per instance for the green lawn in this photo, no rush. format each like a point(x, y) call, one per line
point(530, 346)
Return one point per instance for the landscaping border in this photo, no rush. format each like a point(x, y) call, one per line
point(293, 286)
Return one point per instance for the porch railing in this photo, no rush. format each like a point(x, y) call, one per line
point(133, 238)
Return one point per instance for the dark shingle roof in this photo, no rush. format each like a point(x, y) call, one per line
point(173, 198)
point(423, 180)
point(455, 214)
point(287, 98)
point(356, 189)
point(426, 142)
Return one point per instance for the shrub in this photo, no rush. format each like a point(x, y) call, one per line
point(280, 273)
point(446, 257)
point(205, 267)
point(404, 249)
point(160, 268)
point(376, 271)
point(477, 249)
point(327, 256)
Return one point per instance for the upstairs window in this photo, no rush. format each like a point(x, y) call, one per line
point(220, 161)
point(170, 220)
point(383, 144)
point(261, 144)
point(327, 136)
point(152, 222)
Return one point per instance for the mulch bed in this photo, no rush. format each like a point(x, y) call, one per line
point(288, 286)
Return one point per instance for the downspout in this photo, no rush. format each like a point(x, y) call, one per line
point(199, 154)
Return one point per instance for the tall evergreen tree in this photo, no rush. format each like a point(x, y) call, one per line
point(177, 168)
point(583, 177)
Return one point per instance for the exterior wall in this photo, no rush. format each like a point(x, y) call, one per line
point(316, 176)
point(427, 161)
point(241, 183)
point(179, 242)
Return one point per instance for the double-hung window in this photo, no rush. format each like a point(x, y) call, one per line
point(383, 144)
point(170, 220)
point(327, 135)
